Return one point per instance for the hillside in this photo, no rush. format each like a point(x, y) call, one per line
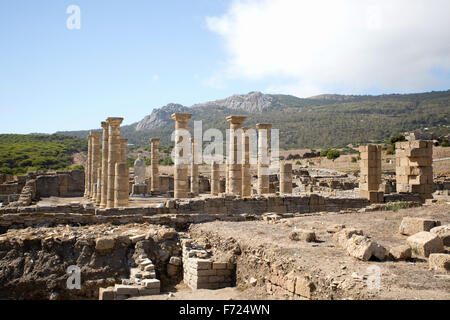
point(20, 153)
point(316, 122)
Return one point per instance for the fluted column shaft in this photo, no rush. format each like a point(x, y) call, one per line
point(215, 178)
point(95, 163)
point(121, 183)
point(285, 178)
point(104, 176)
point(154, 184)
point(87, 179)
point(194, 168)
point(235, 154)
point(181, 154)
point(113, 157)
point(263, 158)
point(246, 176)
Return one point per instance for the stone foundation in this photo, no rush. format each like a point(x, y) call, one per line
point(202, 272)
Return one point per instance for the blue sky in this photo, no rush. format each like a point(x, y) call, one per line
point(129, 57)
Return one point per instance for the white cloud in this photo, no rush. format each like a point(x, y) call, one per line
point(345, 45)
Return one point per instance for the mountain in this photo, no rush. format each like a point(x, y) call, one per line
point(321, 121)
point(160, 117)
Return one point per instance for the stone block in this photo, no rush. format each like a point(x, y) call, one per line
point(424, 243)
point(124, 289)
point(412, 225)
point(202, 264)
point(444, 233)
point(304, 287)
point(402, 252)
point(219, 265)
point(104, 244)
point(106, 293)
point(440, 262)
point(148, 292)
point(151, 283)
point(340, 238)
point(302, 235)
point(363, 248)
point(335, 228)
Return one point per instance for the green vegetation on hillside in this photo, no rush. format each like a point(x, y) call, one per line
point(331, 121)
point(20, 153)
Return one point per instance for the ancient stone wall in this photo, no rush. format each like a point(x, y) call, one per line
point(413, 167)
point(202, 272)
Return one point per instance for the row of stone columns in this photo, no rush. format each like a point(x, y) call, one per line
point(237, 175)
point(107, 174)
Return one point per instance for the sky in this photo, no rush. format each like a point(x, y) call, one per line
point(68, 65)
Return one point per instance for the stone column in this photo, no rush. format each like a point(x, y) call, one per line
point(87, 178)
point(285, 178)
point(215, 178)
point(154, 183)
point(235, 154)
point(263, 157)
point(104, 178)
point(98, 189)
point(194, 168)
point(181, 154)
point(370, 173)
point(95, 163)
point(121, 182)
point(113, 157)
point(246, 175)
point(414, 167)
point(123, 150)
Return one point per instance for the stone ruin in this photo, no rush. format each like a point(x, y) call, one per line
point(163, 256)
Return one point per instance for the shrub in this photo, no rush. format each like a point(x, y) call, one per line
point(323, 153)
point(354, 159)
point(333, 154)
point(444, 143)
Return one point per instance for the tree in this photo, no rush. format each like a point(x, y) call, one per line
point(333, 154)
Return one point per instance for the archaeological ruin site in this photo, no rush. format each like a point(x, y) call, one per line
point(248, 225)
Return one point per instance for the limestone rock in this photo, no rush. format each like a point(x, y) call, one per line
point(176, 261)
point(302, 235)
point(424, 243)
point(363, 248)
point(104, 244)
point(440, 262)
point(335, 228)
point(444, 233)
point(304, 287)
point(402, 252)
point(411, 225)
point(340, 238)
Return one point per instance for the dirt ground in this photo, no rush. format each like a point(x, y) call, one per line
point(399, 280)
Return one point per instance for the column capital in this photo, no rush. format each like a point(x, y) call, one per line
point(104, 125)
point(96, 134)
point(263, 126)
point(123, 140)
point(154, 140)
point(236, 119)
point(114, 121)
point(181, 116)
